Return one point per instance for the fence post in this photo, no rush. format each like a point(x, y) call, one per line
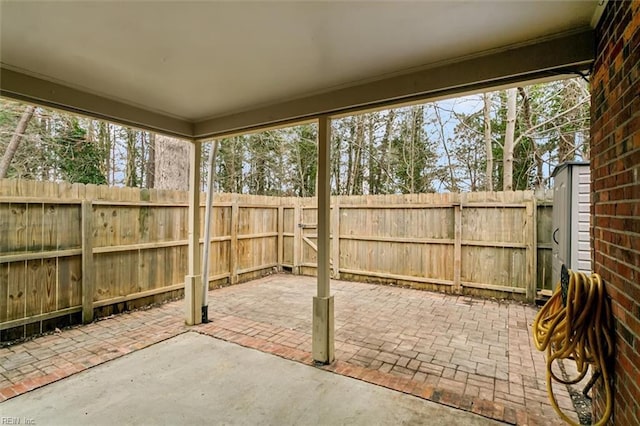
point(335, 235)
point(88, 273)
point(233, 254)
point(457, 247)
point(532, 249)
point(297, 236)
point(280, 236)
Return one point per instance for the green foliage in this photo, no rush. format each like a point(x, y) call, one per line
point(7, 118)
point(78, 160)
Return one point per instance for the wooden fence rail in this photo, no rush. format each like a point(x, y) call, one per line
point(68, 250)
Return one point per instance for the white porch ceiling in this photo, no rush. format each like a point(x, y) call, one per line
point(196, 69)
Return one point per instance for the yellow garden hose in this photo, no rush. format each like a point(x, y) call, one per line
point(578, 327)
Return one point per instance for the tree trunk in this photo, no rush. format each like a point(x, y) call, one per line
point(172, 163)
point(373, 177)
point(509, 137)
point(567, 143)
point(528, 120)
point(131, 178)
point(151, 162)
point(112, 154)
point(42, 149)
point(443, 137)
point(104, 145)
point(14, 143)
point(357, 162)
point(385, 154)
point(413, 159)
point(488, 141)
point(335, 160)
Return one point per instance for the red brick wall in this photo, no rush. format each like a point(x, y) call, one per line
point(615, 180)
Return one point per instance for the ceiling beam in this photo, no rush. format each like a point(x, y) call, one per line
point(557, 56)
point(23, 87)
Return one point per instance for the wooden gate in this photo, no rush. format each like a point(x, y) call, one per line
point(306, 241)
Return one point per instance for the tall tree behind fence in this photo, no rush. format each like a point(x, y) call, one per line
point(68, 252)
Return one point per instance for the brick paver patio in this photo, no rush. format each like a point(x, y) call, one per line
point(472, 354)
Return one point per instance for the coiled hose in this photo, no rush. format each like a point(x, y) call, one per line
point(577, 325)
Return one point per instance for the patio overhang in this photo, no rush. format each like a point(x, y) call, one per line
point(198, 70)
point(566, 55)
point(201, 70)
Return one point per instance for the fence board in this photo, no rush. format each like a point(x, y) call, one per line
point(16, 227)
point(4, 291)
point(495, 266)
point(544, 257)
point(50, 227)
point(33, 287)
point(69, 233)
point(5, 228)
point(16, 291)
point(49, 285)
point(34, 230)
point(70, 284)
point(289, 220)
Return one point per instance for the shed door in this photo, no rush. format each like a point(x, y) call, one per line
point(561, 223)
point(581, 219)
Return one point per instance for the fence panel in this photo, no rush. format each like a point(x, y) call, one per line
point(480, 243)
point(138, 245)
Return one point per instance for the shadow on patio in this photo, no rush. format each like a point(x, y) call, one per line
point(467, 353)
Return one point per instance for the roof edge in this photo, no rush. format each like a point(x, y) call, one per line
point(38, 91)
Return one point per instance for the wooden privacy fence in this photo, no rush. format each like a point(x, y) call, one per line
point(68, 249)
point(491, 244)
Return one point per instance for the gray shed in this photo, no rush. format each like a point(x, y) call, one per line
point(571, 218)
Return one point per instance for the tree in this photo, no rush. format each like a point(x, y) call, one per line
point(439, 123)
point(304, 145)
point(131, 175)
point(509, 137)
point(229, 164)
point(172, 163)
point(78, 159)
point(384, 179)
point(468, 154)
point(488, 141)
point(413, 153)
point(15, 140)
point(151, 162)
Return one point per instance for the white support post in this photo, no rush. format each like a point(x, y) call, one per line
point(207, 231)
point(323, 326)
point(193, 280)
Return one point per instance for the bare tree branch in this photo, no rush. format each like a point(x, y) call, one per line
point(14, 143)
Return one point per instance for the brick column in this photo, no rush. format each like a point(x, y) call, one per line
point(615, 180)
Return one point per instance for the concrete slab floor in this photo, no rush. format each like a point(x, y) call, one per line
point(197, 379)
